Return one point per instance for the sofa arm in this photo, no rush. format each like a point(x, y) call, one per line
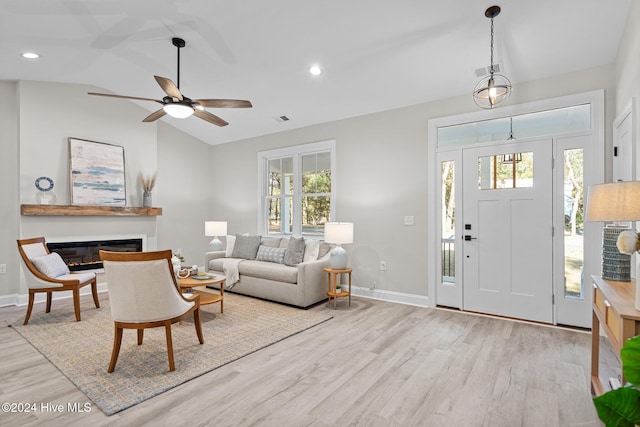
point(208, 256)
point(312, 274)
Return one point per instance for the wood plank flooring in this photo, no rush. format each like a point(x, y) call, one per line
point(374, 364)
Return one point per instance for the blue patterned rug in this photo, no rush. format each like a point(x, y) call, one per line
point(81, 350)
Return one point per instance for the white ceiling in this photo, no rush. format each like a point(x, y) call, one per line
point(376, 54)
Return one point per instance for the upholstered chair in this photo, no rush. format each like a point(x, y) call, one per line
point(47, 272)
point(143, 293)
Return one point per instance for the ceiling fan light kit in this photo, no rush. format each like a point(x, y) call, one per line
point(179, 111)
point(495, 88)
point(179, 106)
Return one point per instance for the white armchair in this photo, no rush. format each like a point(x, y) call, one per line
point(54, 277)
point(143, 293)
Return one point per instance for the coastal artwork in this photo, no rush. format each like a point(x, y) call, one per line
point(96, 173)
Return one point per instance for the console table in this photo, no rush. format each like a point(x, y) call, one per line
point(614, 310)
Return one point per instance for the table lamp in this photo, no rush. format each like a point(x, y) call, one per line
point(215, 229)
point(339, 233)
point(614, 202)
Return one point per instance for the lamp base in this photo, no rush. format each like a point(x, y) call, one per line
point(215, 244)
point(338, 258)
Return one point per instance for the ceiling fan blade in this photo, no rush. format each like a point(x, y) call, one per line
point(169, 87)
point(211, 118)
point(154, 116)
point(125, 97)
point(223, 103)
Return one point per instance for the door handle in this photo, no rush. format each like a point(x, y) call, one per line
point(468, 238)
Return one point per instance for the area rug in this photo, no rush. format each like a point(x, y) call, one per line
point(81, 350)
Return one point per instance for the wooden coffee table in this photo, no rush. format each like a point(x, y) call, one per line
point(189, 285)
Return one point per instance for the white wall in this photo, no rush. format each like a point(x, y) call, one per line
point(628, 70)
point(184, 190)
point(9, 283)
point(381, 177)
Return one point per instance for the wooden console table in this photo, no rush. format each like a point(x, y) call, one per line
point(614, 310)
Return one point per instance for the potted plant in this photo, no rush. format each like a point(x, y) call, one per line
point(621, 407)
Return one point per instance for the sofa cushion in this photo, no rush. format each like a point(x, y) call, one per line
point(51, 265)
point(260, 269)
point(270, 242)
point(269, 271)
point(270, 254)
point(324, 249)
point(284, 242)
point(311, 250)
point(246, 247)
point(295, 251)
point(231, 242)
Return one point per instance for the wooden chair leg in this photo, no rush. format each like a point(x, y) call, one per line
point(167, 329)
point(198, 323)
point(117, 341)
point(30, 307)
point(76, 302)
point(94, 291)
point(140, 336)
point(48, 309)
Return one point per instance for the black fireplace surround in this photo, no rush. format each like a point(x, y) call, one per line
point(81, 256)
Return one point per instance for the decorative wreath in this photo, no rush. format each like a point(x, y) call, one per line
point(44, 183)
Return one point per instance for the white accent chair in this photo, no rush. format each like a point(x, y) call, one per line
point(39, 282)
point(143, 293)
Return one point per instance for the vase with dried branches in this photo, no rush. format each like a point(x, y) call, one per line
point(147, 182)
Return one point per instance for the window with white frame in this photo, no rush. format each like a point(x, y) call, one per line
point(297, 188)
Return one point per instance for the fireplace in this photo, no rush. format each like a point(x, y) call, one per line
point(85, 255)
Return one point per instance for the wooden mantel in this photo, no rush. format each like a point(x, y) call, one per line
point(58, 210)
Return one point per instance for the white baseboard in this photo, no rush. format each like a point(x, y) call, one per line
point(391, 296)
point(23, 299)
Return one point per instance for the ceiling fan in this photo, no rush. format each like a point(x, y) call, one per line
point(177, 105)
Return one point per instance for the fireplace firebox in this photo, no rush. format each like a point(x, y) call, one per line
point(81, 256)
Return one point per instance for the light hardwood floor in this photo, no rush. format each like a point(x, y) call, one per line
point(374, 364)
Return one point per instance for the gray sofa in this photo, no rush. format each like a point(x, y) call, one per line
point(300, 284)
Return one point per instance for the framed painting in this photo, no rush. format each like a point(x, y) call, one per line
point(96, 173)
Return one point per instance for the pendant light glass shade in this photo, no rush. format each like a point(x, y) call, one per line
point(495, 88)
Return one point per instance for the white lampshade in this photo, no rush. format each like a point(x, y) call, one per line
point(215, 229)
point(179, 111)
point(616, 201)
point(338, 232)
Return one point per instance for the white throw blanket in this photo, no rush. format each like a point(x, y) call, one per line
point(230, 268)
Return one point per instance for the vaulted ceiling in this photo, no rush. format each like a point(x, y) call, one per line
point(376, 55)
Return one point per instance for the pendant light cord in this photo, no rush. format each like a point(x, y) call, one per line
point(491, 70)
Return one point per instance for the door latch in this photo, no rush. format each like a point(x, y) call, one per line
point(468, 238)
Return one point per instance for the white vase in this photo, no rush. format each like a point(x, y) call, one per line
point(146, 200)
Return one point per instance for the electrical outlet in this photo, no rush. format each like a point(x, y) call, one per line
point(3, 268)
point(383, 265)
point(408, 220)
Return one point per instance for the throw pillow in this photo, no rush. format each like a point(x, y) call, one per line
point(246, 247)
point(231, 240)
point(295, 251)
point(51, 265)
point(324, 249)
point(311, 250)
point(269, 254)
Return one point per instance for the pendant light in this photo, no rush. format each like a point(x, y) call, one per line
point(494, 88)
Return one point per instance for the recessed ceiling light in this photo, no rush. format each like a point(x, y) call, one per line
point(30, 55)
point(315, 70)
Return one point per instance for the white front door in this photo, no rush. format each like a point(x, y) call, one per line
point(507, 228)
